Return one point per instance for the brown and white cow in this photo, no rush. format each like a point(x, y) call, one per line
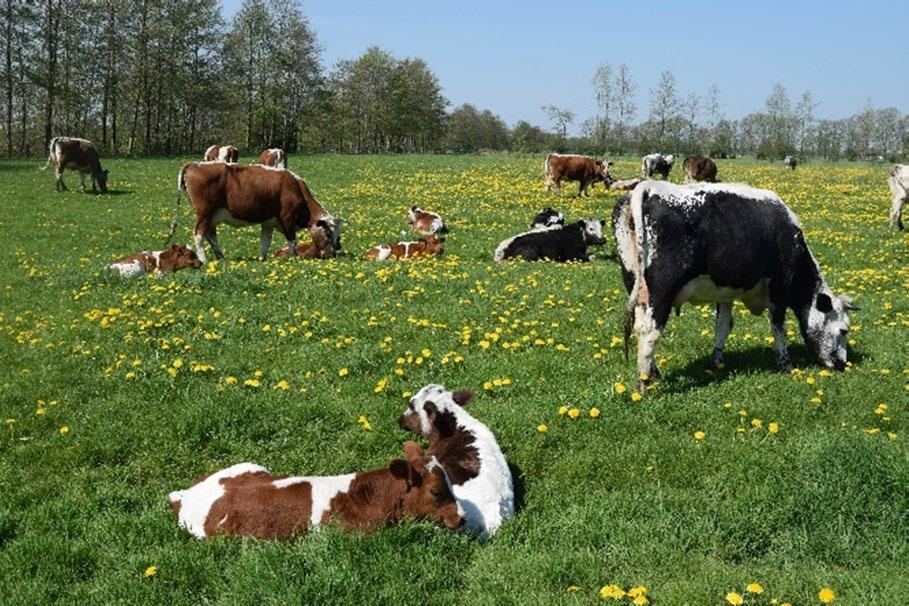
point(425, 222)
point(241, 195)
point(571, 167)
point(898, 180)
point(246, 500)
point(76, 154)
point(424, 247)
point(699, 168)
point(274, 156)
point(223, 153)
point(175, 258)
point(319, 248)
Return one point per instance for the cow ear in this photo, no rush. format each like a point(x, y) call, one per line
point(462, 397)
point(824, 303)
point(602, 222)
point(321, 223)
point(412, 451)
point(609, 163)
point(400, 469)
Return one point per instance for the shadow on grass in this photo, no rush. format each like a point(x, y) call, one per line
point(517, 477)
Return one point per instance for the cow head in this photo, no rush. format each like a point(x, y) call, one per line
point(827, 328)
point(433, 244)
point(603, 172)
point(592, 230)
point(178, 256)
point(547, 218)
point(433, 411)
point(102, 181)
point(428, 494)
point(326, 234)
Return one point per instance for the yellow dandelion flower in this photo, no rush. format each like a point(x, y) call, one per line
point(64, 430)
point(151, 571)
point(619, 387)
point(542, 428)
point(773, 427)
point(734, 598)
point(635, 396)
point(254, 383)
point(757, 423)
point(700, 435)
point(826, 595)
point(573, 589)
point(364, 422)
point(594, 412)
point(484, 344)
point(612, 592)
point(756, 588)
point(343, 372)
point(563, 410)
point(282, 385)
point(637, 591)
point(574, 413)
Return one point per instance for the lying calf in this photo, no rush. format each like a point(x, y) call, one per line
point(176, 257)
point(467, 449)
point(425, 222)
point(547, 218)
point(321, 246)
point(568, 243)
point(424, 247)
point(246, 500)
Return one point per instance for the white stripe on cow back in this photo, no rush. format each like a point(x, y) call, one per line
point(324, 489)
point(499, 254)
point(196, 501)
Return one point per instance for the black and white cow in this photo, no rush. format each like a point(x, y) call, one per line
point(557, 243)
point(719, 243)
point(791, 162)
point(547, 218)
point(653, 164)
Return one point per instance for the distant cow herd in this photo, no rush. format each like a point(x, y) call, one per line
point(701, 242)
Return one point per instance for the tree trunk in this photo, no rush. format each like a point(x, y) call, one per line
point(9, 78)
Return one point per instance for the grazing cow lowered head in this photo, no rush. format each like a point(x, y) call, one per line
point(467, 449)
point(221, 153)
point(720, 243)
point(556, 243)
point(653, 164)
point(547, 218)
point(424, 247)
point(246, 500)
point(326, 243)
point(79, 155)
point(425, 222)
point(241, 195)
point(175, 258)
point(571, 167)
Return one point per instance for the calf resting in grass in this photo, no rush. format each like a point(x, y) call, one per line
point(480, 478)
point(246, 500)
point(424, 247)
point(176, 257)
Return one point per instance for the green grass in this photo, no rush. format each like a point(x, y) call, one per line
point(630, 497)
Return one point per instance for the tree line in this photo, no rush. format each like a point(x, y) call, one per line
point(161, 77)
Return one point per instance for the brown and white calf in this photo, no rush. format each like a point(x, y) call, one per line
point(246, 500)
point(76, 154)
point(241, 195)
point(176, 257)
point(571, 167)
point(468, 450)
point(425, 222)
point(222, 153)
point(424, 247)
point(319, 248)
point(274, 156)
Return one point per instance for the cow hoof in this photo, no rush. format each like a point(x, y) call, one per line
point(785, 366)
point(717, 359)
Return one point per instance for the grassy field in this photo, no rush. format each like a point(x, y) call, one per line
point(115, 392)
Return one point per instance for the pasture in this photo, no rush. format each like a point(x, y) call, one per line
point(115, 392)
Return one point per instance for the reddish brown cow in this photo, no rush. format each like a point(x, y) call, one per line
point(241, 195)
point(569, 167)
point(319, 248)
point(223, 153)
point(699, 168)
point(76, 154)
point(176, 257)
point(425, 222)
point(246, 500)
point(424, 247)
point(273, 157)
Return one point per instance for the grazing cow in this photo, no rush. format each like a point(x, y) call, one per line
point(899, 187)
point(319, 248)
point(246, 500)
point(425, 222)
point(653, 164)
point(625, 184)
point(274, 156)
point(76, 154)
point(547, 218)
point(176, 257)
point(424, 247)
point(570, 167)
point(720, 243)
point(242, 195)
point(467, 449)
point(222, 153)
point(699, 168)
point(558, 243)
point(791, 162)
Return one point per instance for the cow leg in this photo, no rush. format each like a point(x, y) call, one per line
point(582, 188)
point(778, 327)
point(212, 238)
point(265, 241)
point(649, 329)
point(723, 328)
point(82, 180)
point(896, 212)
point(59, 185)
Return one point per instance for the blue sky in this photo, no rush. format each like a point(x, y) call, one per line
point(513, 57)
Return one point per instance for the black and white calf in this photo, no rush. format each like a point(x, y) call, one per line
point(790, 162)
point(719, 243)
point(547, 218)
point(653, 164)
point(557, 243)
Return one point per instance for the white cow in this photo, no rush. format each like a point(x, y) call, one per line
point(899, 188)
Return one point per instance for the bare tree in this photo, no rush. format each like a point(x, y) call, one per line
point(560, 118)
point(624, 104)
point(605, 97)
point(664, 106)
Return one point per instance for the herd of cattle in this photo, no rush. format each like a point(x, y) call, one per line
point(701, 242)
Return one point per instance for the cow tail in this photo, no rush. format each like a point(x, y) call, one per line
point(181, 188)
point(547, 176)
point(639, 254)
point(50, 153)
